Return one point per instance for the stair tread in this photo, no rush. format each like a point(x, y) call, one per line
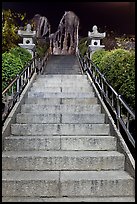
point(65, 175)
point(66, 114)
point(70, 199)
point(61, 153)
point(55, 136)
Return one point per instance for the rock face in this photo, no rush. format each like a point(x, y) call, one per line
point(42, 26)
point(65, 39)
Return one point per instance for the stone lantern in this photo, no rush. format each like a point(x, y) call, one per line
point(27, 36)
point(95, 40)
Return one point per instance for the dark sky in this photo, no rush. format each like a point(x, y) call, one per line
point(116, 16)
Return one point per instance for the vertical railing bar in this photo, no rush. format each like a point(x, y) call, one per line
point(112, 99)
point(118, 112)
point(12, 91)
point(127, 122)
point(28, 73)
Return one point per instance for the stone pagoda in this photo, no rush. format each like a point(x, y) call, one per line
point(27, 36)
point(95, 37)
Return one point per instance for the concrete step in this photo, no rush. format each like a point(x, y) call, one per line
point(96, 183)
point(62, 66)
point(60, 129)
point(30, 143)
point(60, 83)
point(62, 89)
point(54, 109)
point(67, 183)
point(54, 76)
point(30, 183)
point(65, 101)
point(76, 79)
point(73, 85)
point(63, 71)
point(60, 95)
point(70, 199)
point(62, 160)
point(60, 118)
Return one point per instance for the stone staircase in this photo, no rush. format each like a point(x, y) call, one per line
point(60, 148)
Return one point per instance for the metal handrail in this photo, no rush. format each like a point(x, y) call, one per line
point(12, 92)
point(123, 114)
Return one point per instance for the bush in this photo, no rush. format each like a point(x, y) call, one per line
point(13, 63)
point(118, 66)
point(22, 53)
point(127, 89)
point(11, 66)
point(98, 55)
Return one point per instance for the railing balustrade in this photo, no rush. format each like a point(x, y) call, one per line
point(124, 116)
point(12, 92)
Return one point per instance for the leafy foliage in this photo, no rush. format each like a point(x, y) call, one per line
point(117, 63)
point(22, 53)
point(11, 66)
point(98, 55)
point(127, 89)
point(13, 63)
point(10, 27)
point(118, 66)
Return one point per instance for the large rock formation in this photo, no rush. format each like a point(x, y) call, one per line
point(42, 26)
point(65, 39)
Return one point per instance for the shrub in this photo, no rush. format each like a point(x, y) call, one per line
point(118, 66)
point(13, 62)
point(127, 89)
point(98, 55)
point(22, 53)
point(11, 66)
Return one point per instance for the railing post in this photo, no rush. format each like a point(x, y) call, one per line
point(25, 77)
point(127, 122)
point(21, 77)
point(18, 86)
point(118, 112)
point(28, 73)
point(12, 91)
point(35, 63)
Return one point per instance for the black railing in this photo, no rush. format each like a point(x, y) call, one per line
point(123, 116)
point(12, 92)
